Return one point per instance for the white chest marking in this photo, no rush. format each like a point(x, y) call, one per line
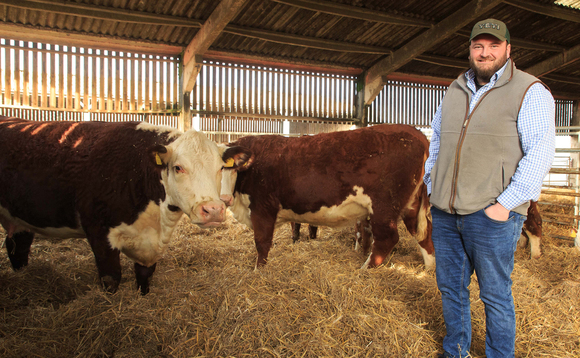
point(146, 239)
point(241, 209)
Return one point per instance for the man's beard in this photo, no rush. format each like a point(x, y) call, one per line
point(485, 74)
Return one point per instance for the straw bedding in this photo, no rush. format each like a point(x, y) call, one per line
point(311, 300)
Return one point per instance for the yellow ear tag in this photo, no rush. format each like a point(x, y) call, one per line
point(158, 159)
point(229, 163)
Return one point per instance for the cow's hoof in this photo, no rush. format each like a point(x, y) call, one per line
point(18, 265)
point(144, 288)
point(109, 284)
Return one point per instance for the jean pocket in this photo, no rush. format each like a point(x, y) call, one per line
point(510, 218)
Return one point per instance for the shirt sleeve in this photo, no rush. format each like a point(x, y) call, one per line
point(537, 132)
point(433, 148)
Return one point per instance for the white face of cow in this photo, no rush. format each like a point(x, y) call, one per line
point(193, 177)
point(229, 177)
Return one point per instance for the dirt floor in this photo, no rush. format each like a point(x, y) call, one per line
point(311, 300)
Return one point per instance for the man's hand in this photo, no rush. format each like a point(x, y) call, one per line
point(497, 212)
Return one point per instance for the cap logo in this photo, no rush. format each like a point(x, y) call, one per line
point(489, 25)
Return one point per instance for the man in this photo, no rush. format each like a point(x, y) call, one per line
point(492, 144)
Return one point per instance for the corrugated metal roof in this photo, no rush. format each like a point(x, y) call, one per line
point(288, 31)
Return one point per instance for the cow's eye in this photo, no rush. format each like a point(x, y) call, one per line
point(179, 169)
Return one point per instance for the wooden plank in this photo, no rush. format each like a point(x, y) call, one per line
point(61, 81)
point(34, 75)
point(77, 98)
point(118, 96)
point(306, 41)
point(103, 13)
point(154, 84)
point(69, 78)
point(560, 192)
point(175, 79)
point(147, 84)
point(17, 84)
point(557, 12)
point(8, 76)
point(101, 100)
point(356, 12)
point(94, 78)
point(220, 88)
point(163, 83)
point(26, 88)
point(555, 62)
point(139, 68)
point(44, 84)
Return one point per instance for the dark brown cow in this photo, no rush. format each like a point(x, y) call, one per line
point(123, 186)
point(532, 231)
point(336, 179)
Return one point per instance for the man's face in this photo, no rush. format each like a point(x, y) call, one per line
point(487, 54)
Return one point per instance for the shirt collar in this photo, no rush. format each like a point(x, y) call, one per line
point(470, 76)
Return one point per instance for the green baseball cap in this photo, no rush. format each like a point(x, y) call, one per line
point(493, 27)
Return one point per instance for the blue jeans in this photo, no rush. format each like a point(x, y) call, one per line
point(464, 243)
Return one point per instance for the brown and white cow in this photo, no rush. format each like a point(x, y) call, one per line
point(123, 186)
point(335, 179)
point(532, 231)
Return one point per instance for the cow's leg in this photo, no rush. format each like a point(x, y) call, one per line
point(386, 237)
point(18, 247)
point(108, 262)
point(364, 236)
point(417, 220)
point(312, 230)
point(143, 275)
point(263, 224)
point(523, 240)
point(295, 231)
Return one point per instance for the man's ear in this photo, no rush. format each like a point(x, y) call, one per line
point(238, 158)
point(160, 155)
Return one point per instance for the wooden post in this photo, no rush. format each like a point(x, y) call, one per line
point(575, 143)
point(359, 103)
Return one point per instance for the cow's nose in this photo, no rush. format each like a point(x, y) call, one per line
point(228, 199)
point(212, 212)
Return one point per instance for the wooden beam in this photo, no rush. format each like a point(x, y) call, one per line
point(374, 79)
point(282, 62)
point(573, 80)
point(102, 12)
point(211, 29)
point(443, 61)
point(305, 41)
point(356, 12)
point(555, 62)
point(192, 56)
point(558, 12)
point(523, 43)
point(71, 38)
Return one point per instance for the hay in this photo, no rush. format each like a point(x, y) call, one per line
point(311, 300)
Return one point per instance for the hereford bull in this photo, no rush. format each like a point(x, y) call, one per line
point(123, 186)
point(335, 179)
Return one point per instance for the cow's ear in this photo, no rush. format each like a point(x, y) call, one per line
point(160, 155)
point(238, 158)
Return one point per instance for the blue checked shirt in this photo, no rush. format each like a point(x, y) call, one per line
point(536, 128)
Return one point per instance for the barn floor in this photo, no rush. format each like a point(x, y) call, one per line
point(311, 300)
